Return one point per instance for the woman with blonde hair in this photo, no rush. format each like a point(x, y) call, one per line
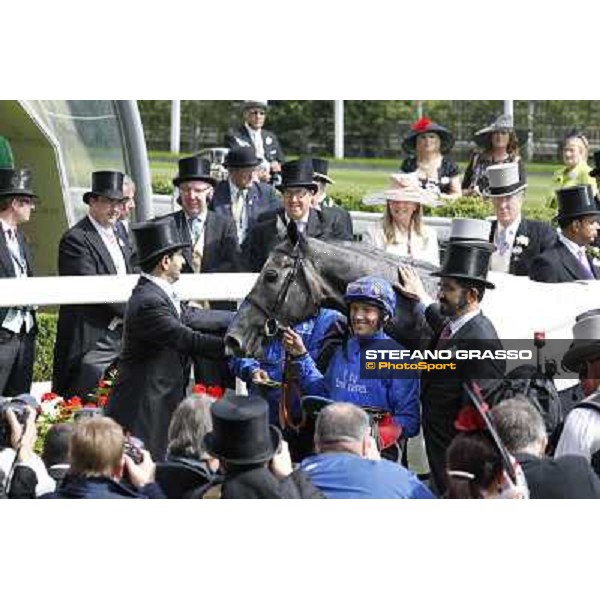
point(576, 170)
point(402, 231)
point(426, 144)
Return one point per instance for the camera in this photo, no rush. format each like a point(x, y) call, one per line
point(133, 448)
point(20, 409)
point(87, 412)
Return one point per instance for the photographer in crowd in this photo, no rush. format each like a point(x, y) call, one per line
point(22, 471)
point(99, 463)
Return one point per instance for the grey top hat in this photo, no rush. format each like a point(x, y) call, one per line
point(505, 179)
point(463, 230)
point(586, 341)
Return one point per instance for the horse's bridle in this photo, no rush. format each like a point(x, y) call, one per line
point(282, 295)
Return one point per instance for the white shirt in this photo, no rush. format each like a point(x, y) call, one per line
point(15, 317)
point(113, 244)
point(505, 240)
point(256, 137)
point(167, 288)
point(581, 433)
point(423, 247)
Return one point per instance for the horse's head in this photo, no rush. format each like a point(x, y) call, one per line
point(288, 290)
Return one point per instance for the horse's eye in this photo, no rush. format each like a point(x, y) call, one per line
point(271, 275)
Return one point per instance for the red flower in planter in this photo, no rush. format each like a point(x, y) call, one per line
point(199, 388)
point(102, 400)
point(421, 125)
point(49, 396)
point(470, 420)
point(104, 384)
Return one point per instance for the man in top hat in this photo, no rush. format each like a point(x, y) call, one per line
point(210, 237)
point(581, 432)
point(123, 226)
point(88, 337)
point(569, 258)
point(157, 342)
point(458, 324)
point(17, 324)
point(246, 445)
point(251, 133)
point(298, 188)
point(518, 241)
point(341, 221)
point(210, 242)
point(241, 196)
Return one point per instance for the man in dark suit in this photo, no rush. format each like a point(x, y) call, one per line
point(341, 221)
point(251, 133)
point(298, 188)
point(88, 337)
point(123, 226)
point(241, 197)
point(518, 241)
point(569, 258)
point(17, 324)
point(210, 237)
point(211, 245)
point(458, 324)
point(521, 429)
point(153, 369)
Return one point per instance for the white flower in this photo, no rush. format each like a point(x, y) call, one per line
point(49, 408)
point(269, 139)
point(517, 250)
point(522, 240)
point(445, 180)
point(596, 262)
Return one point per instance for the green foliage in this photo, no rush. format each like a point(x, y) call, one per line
point(42, 368)
point(465, 206)
point(162, 185)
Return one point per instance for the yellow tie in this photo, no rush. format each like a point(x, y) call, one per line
point(236, 207)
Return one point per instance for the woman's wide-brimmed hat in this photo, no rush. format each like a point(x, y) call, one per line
point(241, 432)
point(586, 341)
point(108, 184)
point(505, 179)
point(467, 260)
point(503, 123)
point(16, 182)
point(424, 125)
point(404, 187)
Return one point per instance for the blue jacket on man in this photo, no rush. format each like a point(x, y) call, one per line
point(342, 382)
point(341, 475)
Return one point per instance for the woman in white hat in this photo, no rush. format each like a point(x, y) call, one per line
point(497, 143)
point(401, 230)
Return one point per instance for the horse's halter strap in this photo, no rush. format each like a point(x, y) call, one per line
point(282, 295)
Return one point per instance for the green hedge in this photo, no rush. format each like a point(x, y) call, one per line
point(42, 368)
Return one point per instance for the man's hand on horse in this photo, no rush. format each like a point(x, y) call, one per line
point(260, 376)
point(292, 342)
point(409, 283)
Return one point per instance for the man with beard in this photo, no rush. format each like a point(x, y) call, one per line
point(458, 324)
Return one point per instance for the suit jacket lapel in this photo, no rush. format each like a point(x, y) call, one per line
point(5, 257)
point(26, 252)
point(314, 227)
point(571, 264)
point(184, 232)
point(97, 243)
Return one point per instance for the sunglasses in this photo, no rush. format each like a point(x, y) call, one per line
point(257, 112)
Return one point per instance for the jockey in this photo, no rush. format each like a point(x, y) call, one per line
point(319, 334)
point(371, 302)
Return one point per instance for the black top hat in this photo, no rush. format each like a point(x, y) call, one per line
point(241, 157)
point(298, 173)
point(424, 125)
point(321, 168)
point(108, 184)
point(241, 432)
point(468, 260)
point(595, 172)
point(194, 168)
point(576, 201)
point(155, 238)
point(15, 182)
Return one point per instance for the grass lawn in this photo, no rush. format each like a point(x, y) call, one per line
point(363, 176)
